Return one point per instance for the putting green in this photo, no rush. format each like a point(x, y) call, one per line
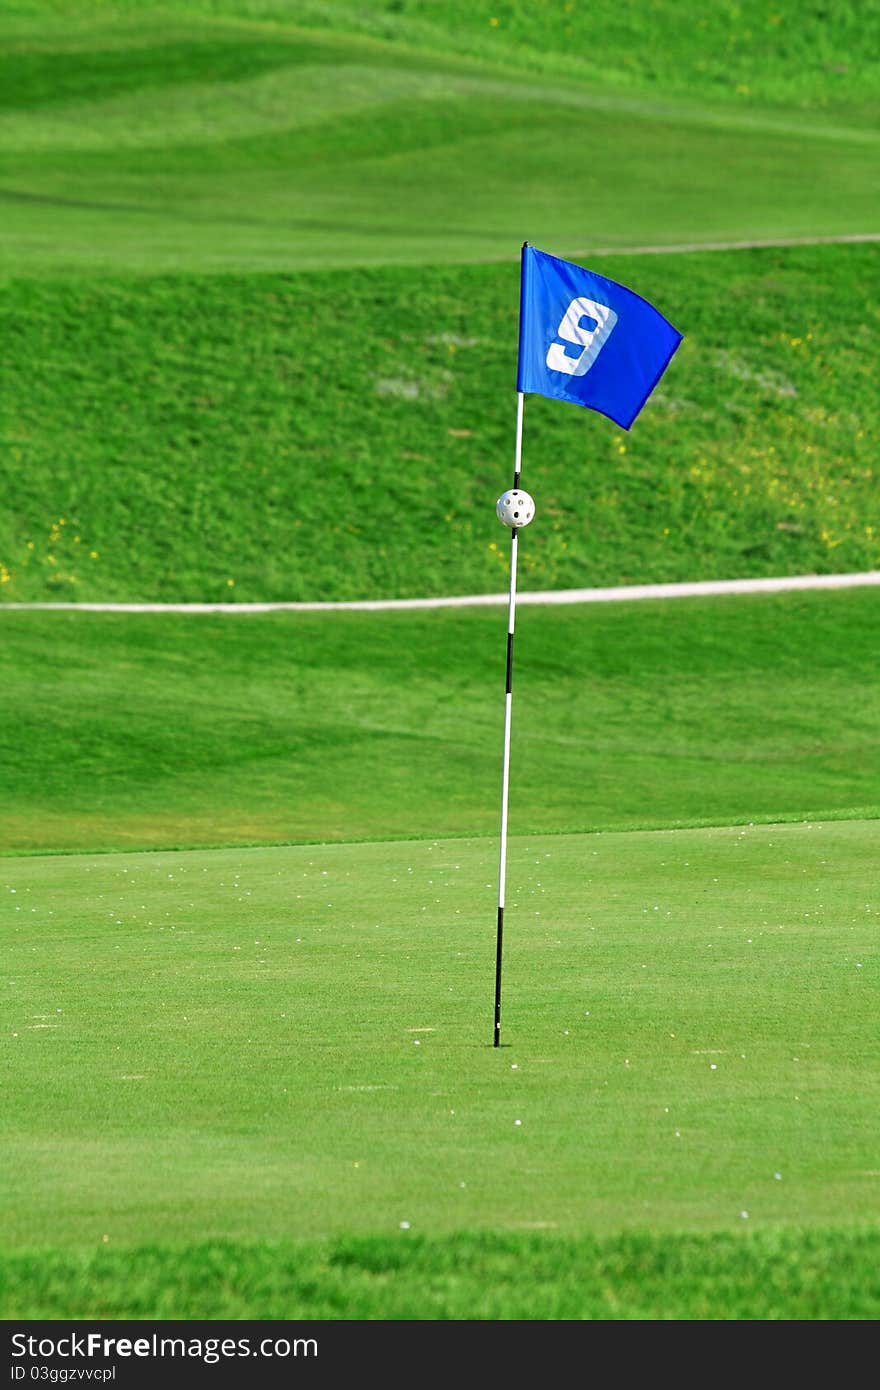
point(294, 1042)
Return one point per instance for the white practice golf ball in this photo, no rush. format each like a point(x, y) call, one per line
point(515, 508)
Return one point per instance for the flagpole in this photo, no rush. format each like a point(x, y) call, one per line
point(508, 702)
point(564, 306)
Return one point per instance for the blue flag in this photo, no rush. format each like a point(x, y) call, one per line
point(586, 339)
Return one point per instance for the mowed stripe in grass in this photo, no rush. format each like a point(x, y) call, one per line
point(178, 145)
point(221, 438)
point(145, 730)
point(295, 1043)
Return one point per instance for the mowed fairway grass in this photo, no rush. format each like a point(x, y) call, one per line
point(262, 1047)
point(193, 139)
point(126, 731)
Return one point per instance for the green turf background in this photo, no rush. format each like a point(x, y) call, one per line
point(258, 297)
point(208, 137)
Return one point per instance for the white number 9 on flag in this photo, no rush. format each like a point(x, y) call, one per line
point(590, 340)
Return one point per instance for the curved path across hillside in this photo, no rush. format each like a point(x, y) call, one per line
point(696, 589)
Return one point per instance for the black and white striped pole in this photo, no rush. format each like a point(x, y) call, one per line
point(515, 509)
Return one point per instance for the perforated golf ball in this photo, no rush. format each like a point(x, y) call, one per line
point(515, 508)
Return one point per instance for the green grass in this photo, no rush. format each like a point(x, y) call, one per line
point(234, 1073)
point(294, 1044)
point(770, 1276)
point(190, 141)
point(815, 57)
point(125, 731)
point(180, 438)
point(818, 57)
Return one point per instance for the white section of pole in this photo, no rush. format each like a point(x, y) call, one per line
point(517, 458)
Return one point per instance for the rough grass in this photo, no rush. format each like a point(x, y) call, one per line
point(184, 438)
point(773, 1275)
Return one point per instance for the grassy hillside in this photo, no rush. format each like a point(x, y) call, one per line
point(333, 1074)
point(234, 437)
point(143, 731)
point(198, 139)
point(819, 57)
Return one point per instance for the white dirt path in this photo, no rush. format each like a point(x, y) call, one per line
point(620, 593)
point(687, 248)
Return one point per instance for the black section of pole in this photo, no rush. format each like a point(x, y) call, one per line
point(508, 684)
point(497, 1035)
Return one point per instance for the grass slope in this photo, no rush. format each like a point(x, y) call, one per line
point(819, 58)
point(183, 439)
point(124, 731)
point(294, 1044)
point(182, 140)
